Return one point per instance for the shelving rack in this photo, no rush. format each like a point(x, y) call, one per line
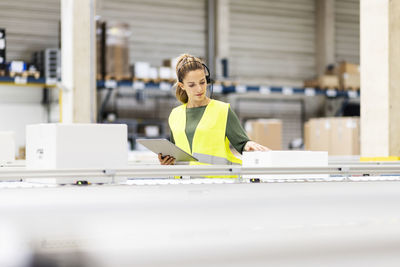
point(225, 89)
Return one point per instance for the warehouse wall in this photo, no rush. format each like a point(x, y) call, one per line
point(20, 106)
point(31, 25)
point(347, 30)
point(272, 40)
point(160, 28)
point(269, 40)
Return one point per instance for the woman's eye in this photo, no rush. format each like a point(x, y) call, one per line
point(202, 83)
point(191, 85)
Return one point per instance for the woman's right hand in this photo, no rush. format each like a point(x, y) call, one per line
point(166, 160)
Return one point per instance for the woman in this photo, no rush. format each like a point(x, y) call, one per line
point(202, 126)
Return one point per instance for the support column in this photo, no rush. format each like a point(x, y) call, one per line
point(325, 38)
point(394, 78)
point(221, 36)
point(78, 61)
point(380, 81)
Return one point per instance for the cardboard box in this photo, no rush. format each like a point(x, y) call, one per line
point(346, 67)
point(285, 159)
point(307, 135)
point(350, 81)
point(345, 136)
point(117, 51)
point(171, 63)
point(7, 147)
point(311, 83)
point(72, 146)
point(317, 134)
point(118, 62)
point(328, 82)
point(21, 153)
point(267, 132)
point(338, 136)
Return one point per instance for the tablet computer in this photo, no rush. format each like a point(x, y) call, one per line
point(165, 147)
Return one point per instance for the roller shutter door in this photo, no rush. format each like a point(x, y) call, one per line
point(347, 30)
point(160, 29)
point(272, 40)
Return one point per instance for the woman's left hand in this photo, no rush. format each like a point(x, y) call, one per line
point(253, 146)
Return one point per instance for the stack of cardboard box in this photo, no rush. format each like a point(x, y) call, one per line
point(171, 64)
point(267, 132)
point(338, 136)
point(328, 81)
point(349, 76)
point(117, 51)
point(343, 76)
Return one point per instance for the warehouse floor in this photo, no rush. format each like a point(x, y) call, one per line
point(283, 224)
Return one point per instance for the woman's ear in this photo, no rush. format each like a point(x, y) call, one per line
point(180, 84)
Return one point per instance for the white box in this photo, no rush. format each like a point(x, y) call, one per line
point(152, 130)
point(71, 146)
point(17, 66)
point(142, 70)
point(277, 158)
point(7, 147)
point(153, 73)
point(165, 73)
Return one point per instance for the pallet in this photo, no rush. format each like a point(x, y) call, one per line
point(169, 80)
point(328, 82)
point(351, 88)
point(311, 83)
point(145, 80)
point(117, 78)
point(326, 88)
point(159, 80)
point(25, 74)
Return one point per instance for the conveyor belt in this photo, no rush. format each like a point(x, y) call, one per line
point(158, 171)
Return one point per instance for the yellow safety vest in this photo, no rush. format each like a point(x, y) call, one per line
point(210, 144)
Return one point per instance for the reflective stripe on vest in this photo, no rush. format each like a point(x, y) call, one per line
point(210, 144)
point(212, 159)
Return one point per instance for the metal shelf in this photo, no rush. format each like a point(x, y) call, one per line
point(28, 81)
point(217, 88)
point(226, 89)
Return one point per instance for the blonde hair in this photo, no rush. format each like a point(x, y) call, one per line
point(185, 64)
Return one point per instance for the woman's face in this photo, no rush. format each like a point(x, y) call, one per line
point(195, 85)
